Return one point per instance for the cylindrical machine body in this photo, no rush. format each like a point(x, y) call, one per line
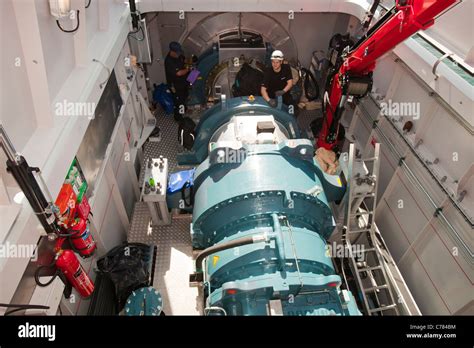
point(70, 266)
point(260, 181)
point(81, 238)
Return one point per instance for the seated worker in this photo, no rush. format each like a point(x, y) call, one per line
point(278, 81)
point(176, 74)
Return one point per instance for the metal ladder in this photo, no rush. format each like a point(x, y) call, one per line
point(360, 205)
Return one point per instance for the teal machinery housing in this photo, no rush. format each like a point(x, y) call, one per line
point(261, 218)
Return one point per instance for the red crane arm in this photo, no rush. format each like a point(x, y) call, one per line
point(405, 19)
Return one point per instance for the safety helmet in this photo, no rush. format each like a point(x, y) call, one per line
point(278, 55)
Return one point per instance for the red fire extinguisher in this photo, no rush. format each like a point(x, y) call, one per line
point(81, 238)
point(70, 266)
point(66, 263)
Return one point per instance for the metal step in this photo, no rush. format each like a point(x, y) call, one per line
point(384, 308)
point(361, 213)
point(369, 269)
point(370, 249)
point(368, 159)
point(365, 230)
point(365, 195)
point(375, 288)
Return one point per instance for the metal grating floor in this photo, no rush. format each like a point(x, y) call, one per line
point(174, 261)
point(168, 146)
point(305, 117)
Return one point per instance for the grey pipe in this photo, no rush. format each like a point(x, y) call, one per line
point(279, 240)
point(277, 235)
point(7, 145)
point(223, 246)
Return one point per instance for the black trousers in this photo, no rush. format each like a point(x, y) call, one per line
point(180, 96)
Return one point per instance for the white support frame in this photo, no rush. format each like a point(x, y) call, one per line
point(80, 36)
point(30, 37)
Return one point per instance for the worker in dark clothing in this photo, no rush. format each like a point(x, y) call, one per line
point(278, 81)
point(176, 73)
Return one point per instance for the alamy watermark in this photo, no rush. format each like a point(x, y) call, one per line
point(66, 108)
point(37, 331)
point(357, 251)
point(11, 250)
point(228, 155)
point(401, 109)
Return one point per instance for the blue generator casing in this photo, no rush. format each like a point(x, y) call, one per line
point(261, 215)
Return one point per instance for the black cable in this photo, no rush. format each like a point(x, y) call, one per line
point(370, 14)
point(72, 30)
point(191, 194)
point(65, 235)
point(88, 4)
point(26, 306)
point(222, 246)
point(330, 75)
point(309, 76)
point(21, 307)
point(73, 247)
point(37, 272)
point(152, 19)
point(134, 13)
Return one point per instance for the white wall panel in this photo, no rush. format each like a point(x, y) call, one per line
point(444, 142)
point(385, 69)
point(57, 47)
point(113, 232)
point(422, 244)
point(426, 294)
point(392, 232)
point(15, 94)
point(92, 19)
point(405, 207)
point(452, 282)
point(452, 245)
point(451, 29)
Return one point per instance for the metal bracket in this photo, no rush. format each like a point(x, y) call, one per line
point(400, 161)
point(440, 59)
point(102, 84)
point(438, 211)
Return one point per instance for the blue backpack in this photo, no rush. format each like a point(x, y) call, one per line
point(163, 96)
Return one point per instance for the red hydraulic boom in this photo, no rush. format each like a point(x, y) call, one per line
point(352, 75)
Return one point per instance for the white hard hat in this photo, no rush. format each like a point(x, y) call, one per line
point(277, 55)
